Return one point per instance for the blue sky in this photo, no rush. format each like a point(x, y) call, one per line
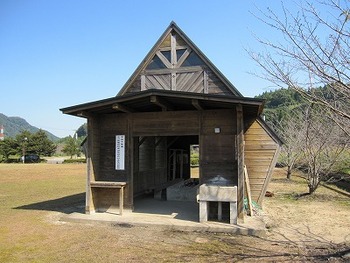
point(59, 53)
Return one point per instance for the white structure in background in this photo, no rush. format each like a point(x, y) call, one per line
point(2, 135)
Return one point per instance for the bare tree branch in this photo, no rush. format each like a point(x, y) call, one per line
point(313, 51)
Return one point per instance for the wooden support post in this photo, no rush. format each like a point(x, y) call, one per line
point(174, 164)
point(129, 191)
point(240, 162)
point(89, 205)
point(173, 50)
point(121, 200)
point(249, 196)
point(88, 199)
point(181, 163)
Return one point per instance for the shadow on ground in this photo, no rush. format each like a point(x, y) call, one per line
point(182, 210)
point(68, 204)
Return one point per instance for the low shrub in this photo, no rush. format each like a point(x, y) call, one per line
point(13, 160)
point(80, 160)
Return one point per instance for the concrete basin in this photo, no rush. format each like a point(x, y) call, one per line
point(217, 193)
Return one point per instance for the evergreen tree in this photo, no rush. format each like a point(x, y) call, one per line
point(41, 145)
point(7, 148)
point(71, 147)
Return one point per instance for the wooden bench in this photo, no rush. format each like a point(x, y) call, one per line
point(107, 184)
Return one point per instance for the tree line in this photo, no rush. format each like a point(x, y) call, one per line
point(27, 143)
point(38, 143)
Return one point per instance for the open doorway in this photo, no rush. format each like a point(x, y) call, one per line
point(194, 159)
point(162, 164)
point(162, 176)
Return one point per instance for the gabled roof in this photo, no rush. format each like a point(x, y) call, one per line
point(173, 29)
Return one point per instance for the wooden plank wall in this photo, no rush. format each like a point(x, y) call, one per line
point(215, 85)
point(112, 125)
point(135, 86)
point(172, 123)
point(217, 151)
point(161, 81)
point(190, 82)
point(106, 127)
point(260, 152)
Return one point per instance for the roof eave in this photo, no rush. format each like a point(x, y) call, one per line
point(81, 110)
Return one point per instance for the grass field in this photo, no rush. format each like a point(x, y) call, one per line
point(34, 196)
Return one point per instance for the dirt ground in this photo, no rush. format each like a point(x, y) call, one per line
point(308, 229)
point(33, 198)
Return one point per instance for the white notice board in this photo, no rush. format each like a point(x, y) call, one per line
point(120, 152)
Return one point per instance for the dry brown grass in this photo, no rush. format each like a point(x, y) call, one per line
point(33, 197)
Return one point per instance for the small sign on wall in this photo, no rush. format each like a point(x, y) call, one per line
point(120, 152)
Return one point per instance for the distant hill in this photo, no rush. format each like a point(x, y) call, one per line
point(15, 125)
point(279, 102)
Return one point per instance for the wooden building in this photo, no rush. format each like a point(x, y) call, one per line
point(139, 141)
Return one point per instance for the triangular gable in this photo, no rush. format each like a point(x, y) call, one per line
point(176, 63)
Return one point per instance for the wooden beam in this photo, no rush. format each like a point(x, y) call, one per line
point(205, 82)
point(164, 59)
point(249, 195)
point(161, 103)
point(173, 50)
point(173, 81)
point(159, 141)
point(169, 48)
point(269, 175)
point(82, 114)
point(143, 139)
point(123, 108)
point(172, 70)
point(196, 103)
point(172, 142)
point(240, 162)
point(143, 82)
point(183, 57)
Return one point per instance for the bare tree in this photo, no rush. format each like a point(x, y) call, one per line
point(291, 128)
point(313, 51)
point(324, 146)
